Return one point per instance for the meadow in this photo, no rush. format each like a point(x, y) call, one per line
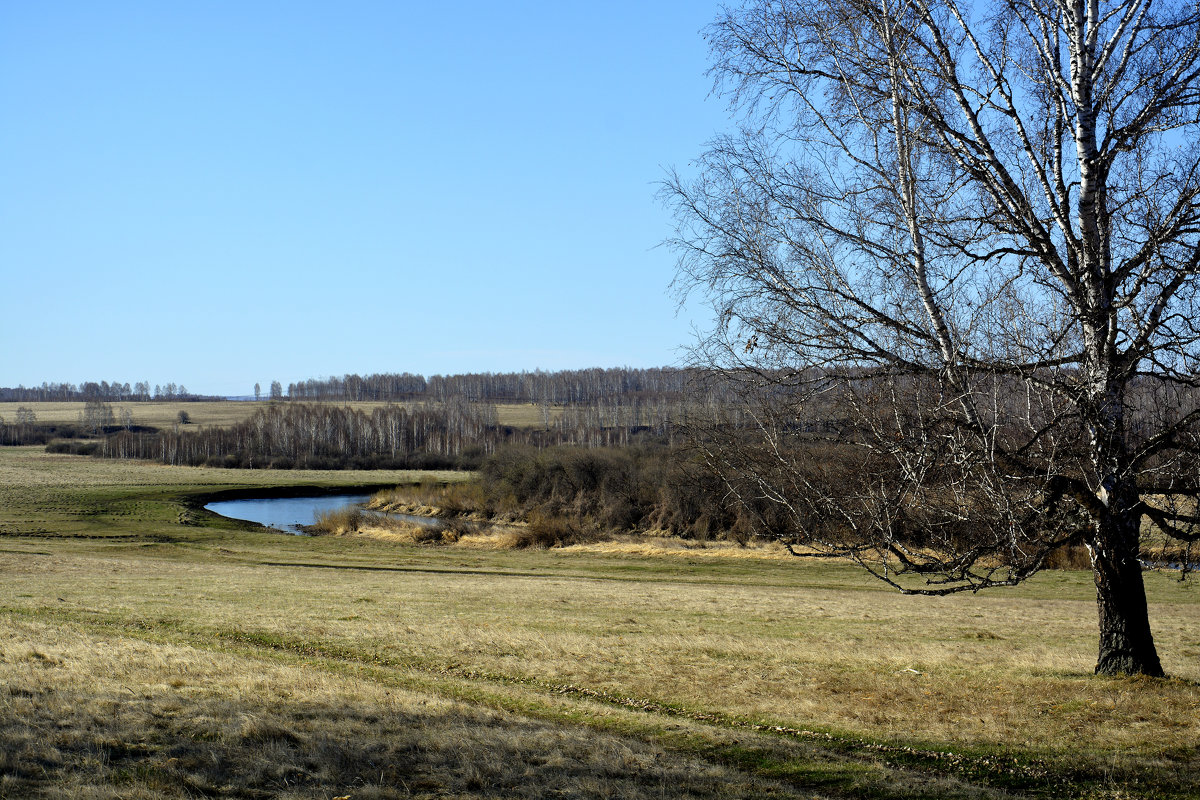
point(150, 649)
point(223, 413)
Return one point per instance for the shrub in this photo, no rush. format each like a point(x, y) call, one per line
point(454, 529)
point(1070, 557)
point(74, 448)
point(428, 534)
point(553, 531)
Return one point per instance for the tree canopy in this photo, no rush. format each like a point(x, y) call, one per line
point(968, 236)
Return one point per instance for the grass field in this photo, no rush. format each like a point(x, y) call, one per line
point(149, 650)
point(225, 413)
point(156, 414)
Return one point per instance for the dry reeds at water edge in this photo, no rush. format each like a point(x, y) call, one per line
point(338, 521)
point(349, 521)
point(541, 532)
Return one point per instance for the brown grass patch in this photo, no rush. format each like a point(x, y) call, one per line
point(660, 546)
point(264, 662)
point(121, 718)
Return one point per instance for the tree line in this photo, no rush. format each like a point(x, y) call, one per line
point(563, 387)
point(115, 392)
point(451, 434)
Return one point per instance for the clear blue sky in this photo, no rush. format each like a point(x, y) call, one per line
point(218, 193)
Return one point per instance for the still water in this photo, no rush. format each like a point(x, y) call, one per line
point(285, 513)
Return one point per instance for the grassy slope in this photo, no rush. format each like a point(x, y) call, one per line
point(149, 650)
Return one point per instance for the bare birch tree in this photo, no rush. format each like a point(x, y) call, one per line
point(959, 245)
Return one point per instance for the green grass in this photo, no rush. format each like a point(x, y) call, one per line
point(147, 649)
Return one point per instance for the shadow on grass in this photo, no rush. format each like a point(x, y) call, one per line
point(173, 742)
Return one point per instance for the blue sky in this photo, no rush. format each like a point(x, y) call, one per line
point(219, 193)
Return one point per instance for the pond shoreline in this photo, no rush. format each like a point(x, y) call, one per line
point(271, 510)
point(200, 499)
point(291, 510)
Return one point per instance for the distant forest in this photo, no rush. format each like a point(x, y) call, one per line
point(455, 434)
point(441, 421)
point(115, 392)
point(564, 387)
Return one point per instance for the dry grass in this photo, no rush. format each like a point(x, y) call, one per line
point(157, 414)
point(26, 468)
point(337, 522)
point(224, 413)
point(281, 633)
point(473, 533)
point(526, 415)
point(354, 522)
point(820, 649)
point(664, 546)
point(87, 716)
point(431, 498)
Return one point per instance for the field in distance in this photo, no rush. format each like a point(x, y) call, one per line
point(149, 649)
point(230, 412)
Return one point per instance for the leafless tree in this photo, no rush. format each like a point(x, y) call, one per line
point(953, 254)
point(96, 416)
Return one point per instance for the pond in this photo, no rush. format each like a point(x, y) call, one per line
point(285, 513)
point(290, 514)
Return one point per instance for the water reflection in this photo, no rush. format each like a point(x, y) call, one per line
point(285, 513)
